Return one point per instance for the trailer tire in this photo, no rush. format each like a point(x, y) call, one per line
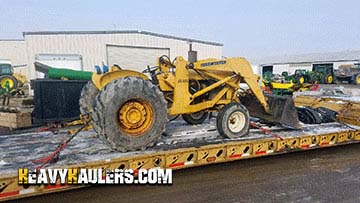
point(233, 121)
point(130, 113)
point(87, 98)
point(195, 118)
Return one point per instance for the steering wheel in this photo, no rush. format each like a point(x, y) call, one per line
point(151, 70)
point(165, 60)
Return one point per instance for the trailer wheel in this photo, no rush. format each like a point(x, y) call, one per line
point(233, 121)
point(195, 118)
point(87, 98)
point(130, 113)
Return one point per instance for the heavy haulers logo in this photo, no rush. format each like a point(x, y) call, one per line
point(94, 176)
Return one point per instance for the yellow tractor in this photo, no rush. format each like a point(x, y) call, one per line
point(130, 110)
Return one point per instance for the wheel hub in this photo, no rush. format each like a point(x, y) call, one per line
point(135, 117)
point(330, 79)
point(301, 80)
point(236, 122)
point(197, 115)
point(7, 82)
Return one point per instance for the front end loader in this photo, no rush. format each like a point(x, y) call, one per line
point(130, 109)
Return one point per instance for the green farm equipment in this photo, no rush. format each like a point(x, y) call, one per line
point(62, 73)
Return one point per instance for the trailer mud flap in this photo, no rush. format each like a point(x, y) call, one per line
point(282, 110)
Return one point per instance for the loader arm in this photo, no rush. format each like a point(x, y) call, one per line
point(271, 108)
point(239, 66)
point(242, 67)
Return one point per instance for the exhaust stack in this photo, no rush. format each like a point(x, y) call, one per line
point(192, 55)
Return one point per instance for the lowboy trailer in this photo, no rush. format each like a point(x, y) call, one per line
point(182, 146)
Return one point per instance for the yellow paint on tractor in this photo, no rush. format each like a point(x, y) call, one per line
point(20, 78)
point(287, 86)
point(230, 71)
point(101, 80)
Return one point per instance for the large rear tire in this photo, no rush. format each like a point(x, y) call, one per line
point(130, 113)
point(10, 80)
point(328, 79)
point(87, 98)
point(233, 121)
point(195, 118)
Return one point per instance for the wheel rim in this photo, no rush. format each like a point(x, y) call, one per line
point(330, 79)
point(7, 81)
point(236, 122)
point(136, 117)
point(301, 80)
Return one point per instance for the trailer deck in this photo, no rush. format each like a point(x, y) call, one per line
point(183, 146)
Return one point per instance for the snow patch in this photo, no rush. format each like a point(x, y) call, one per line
point(2, 162)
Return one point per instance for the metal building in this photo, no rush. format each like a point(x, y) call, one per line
point(15, 50)
point(279, 64)
point(129, 49)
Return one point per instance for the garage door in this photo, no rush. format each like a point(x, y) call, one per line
point(134, 58)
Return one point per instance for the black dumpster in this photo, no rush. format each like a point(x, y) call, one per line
point(56, 101)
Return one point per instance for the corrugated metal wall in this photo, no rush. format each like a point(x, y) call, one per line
point(92, 47)
point(15, 50)
point(134, 58)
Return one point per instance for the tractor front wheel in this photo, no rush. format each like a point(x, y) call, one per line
point(233, 121)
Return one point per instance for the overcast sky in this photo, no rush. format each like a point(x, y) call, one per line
point(252, 28)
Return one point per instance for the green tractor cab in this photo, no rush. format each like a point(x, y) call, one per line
point(324, 73)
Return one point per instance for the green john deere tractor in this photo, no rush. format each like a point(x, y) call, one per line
point(7, 81)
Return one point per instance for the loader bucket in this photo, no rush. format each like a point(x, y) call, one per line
point(282, 110)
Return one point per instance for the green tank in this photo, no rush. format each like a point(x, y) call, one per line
point(60, 73)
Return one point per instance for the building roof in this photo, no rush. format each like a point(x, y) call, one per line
point(120, 32)
point(11, 40)
point(308, 58)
